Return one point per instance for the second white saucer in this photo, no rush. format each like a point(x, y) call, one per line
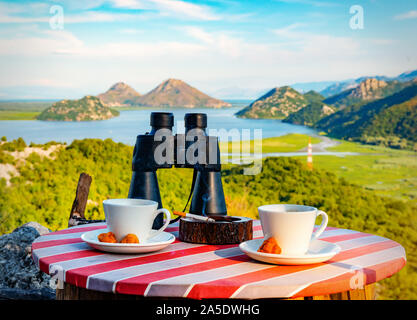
point(319, 251)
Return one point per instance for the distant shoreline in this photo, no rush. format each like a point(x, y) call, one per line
point(30, 109)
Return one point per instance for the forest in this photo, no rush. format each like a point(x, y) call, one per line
point(44, 189)
point(389, 122)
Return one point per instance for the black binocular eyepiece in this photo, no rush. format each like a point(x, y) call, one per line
point(195, 120)
point(206, 188)
point(161, 120)
point(165, 120)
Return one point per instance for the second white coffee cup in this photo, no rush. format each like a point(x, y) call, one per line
point(292, 226)
point(136, 216)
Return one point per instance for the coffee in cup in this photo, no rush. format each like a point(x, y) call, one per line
point(133, 216)
point(292, 226)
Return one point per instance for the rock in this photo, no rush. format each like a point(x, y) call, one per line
point(40, 228)
point(19, 277)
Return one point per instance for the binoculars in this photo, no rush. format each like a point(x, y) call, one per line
point(160, 149)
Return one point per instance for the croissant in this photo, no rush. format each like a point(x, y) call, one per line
point(130, 238)
point(107, 237)
point(270, 246)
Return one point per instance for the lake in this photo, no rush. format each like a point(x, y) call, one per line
point(129, 124)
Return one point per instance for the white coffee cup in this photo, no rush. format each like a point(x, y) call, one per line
point(292, 226)
point(124, 216)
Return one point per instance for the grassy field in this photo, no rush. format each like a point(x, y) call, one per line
point(347, 146)
point(27, 110)
point(25, 106)
point(288, 143)
point(388, 172)
point(18, 115)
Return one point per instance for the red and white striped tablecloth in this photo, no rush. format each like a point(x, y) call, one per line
point(216, 271)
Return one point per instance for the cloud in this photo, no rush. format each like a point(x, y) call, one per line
point(95, 16)
point(39, 13)
point(315, 44)
point(311, 2)
point(11, 12)
point(289, 31)
point(62, 42)
point(186, 8)
point(129, 4)
point(221, 42)
point(80, 11)
point(80, 4)
point(200, 34)
point(176, 8)
point(408, 15)
point(45, 42)
point(382, 42)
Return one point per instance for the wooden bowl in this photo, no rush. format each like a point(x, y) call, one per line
point(234, 231)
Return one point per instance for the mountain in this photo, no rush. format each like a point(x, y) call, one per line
point(85, 109)
point(338, 87)
point(391, 121)
point(278, 103)
point(368, 90)
point(177, 93)
point(118, 95)
point(311, 114)
point(407, 76)
point(313, 96)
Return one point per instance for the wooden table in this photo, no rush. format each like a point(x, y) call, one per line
point(195, 271)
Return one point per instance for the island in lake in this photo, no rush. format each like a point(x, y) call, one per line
point(169, 94)
point(88, 108)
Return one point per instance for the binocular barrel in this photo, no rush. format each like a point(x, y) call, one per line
point(160, 149)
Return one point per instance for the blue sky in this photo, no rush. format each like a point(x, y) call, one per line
point(212, 44)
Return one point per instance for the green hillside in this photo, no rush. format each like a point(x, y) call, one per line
point(391, 121)
point(85, 109)
point(44, 189)
point(310, 115)
point(278, 103)
point(368, 90)
point(313, 96)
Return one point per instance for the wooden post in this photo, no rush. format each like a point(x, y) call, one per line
point(80, 202)
point(81, 196)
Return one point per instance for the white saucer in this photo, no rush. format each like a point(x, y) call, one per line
point(152, 244)
point(319, 251)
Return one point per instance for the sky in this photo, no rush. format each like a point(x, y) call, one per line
point(67, 49)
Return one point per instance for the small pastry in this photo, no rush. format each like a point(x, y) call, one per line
point(270, 246)
point(107, 237)
point(130, 238)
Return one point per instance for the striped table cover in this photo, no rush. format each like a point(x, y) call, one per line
point(215, 271)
